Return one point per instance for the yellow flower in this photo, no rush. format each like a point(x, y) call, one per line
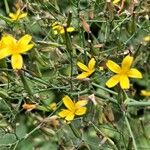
point(10, 46)
point(18, 15)
point(87, 70)
point(59, 29)
point(72, 108)
point(29, 107)
point(145, 93)
point(122, 73)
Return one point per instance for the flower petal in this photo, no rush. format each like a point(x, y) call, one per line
point(16, 61)
point(147, 38)
point(116, 1)
point(127, 62)
point(68, 103)
point(26, 48)
point(62, 31)
point(8, 41)
point(22, 15)
point(70, 116)
point(23, 45)
point(91, 64)
point(114, 80)
point(81, 111)
point(70, 29)
point(24, 40)
point(134, 73)
point(18, 12)
point(12, 16)
point(82, 66)
point(124, 82)
point(113, 66)
point(5, 52)
point(64, 113)
point(80, 103)
point(145, 93)
point(83, 75)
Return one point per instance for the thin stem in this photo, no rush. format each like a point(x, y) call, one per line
point(130, 131)
point(140, 104)
point(6, 6)
point(25, 83)
point(105, 89)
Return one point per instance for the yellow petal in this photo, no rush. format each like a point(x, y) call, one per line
point(127, 62)
point(113, 66)
point(124, 82)
point(116, 1)
point(62, 31)
point(24, 40)
point(91, 64)
point(82, 66)
point(26, 48)
point(5, 52)
point(147, 38)
point(68, 103)
point(18, 12)
point(145, 93)
point(8, 41)
point(134, 73)
point(80, 103)
point(55, 23)
point(83, 75)
point(16, 61)
point(12, 16)
point(70, 29)
point(23, 45)
point(22, 15)
point(64, 113)
point(81, 111)
point(114, 80)
point(70, 116)
point(57, 27)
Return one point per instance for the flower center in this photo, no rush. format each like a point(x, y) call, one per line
point(123, 72)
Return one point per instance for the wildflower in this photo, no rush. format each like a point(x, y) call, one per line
point(17, 16)
point(122, 73)
point(87, 70)
point(53, 106)
point(29, 107)
point(72, 108)
point(145, 92)
point(10, 46)
point(59, 29)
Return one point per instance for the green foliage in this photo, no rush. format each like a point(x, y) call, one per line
point(115, 119)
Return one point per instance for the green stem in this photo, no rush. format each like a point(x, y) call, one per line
point(105, 89)
point(6, 6)
point(130, 131)
point(25, 83)
point(75, 131)
point(106, 98)
point(69, 49)
point(140, 104)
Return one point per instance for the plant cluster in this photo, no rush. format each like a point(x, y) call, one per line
point(74, 75)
